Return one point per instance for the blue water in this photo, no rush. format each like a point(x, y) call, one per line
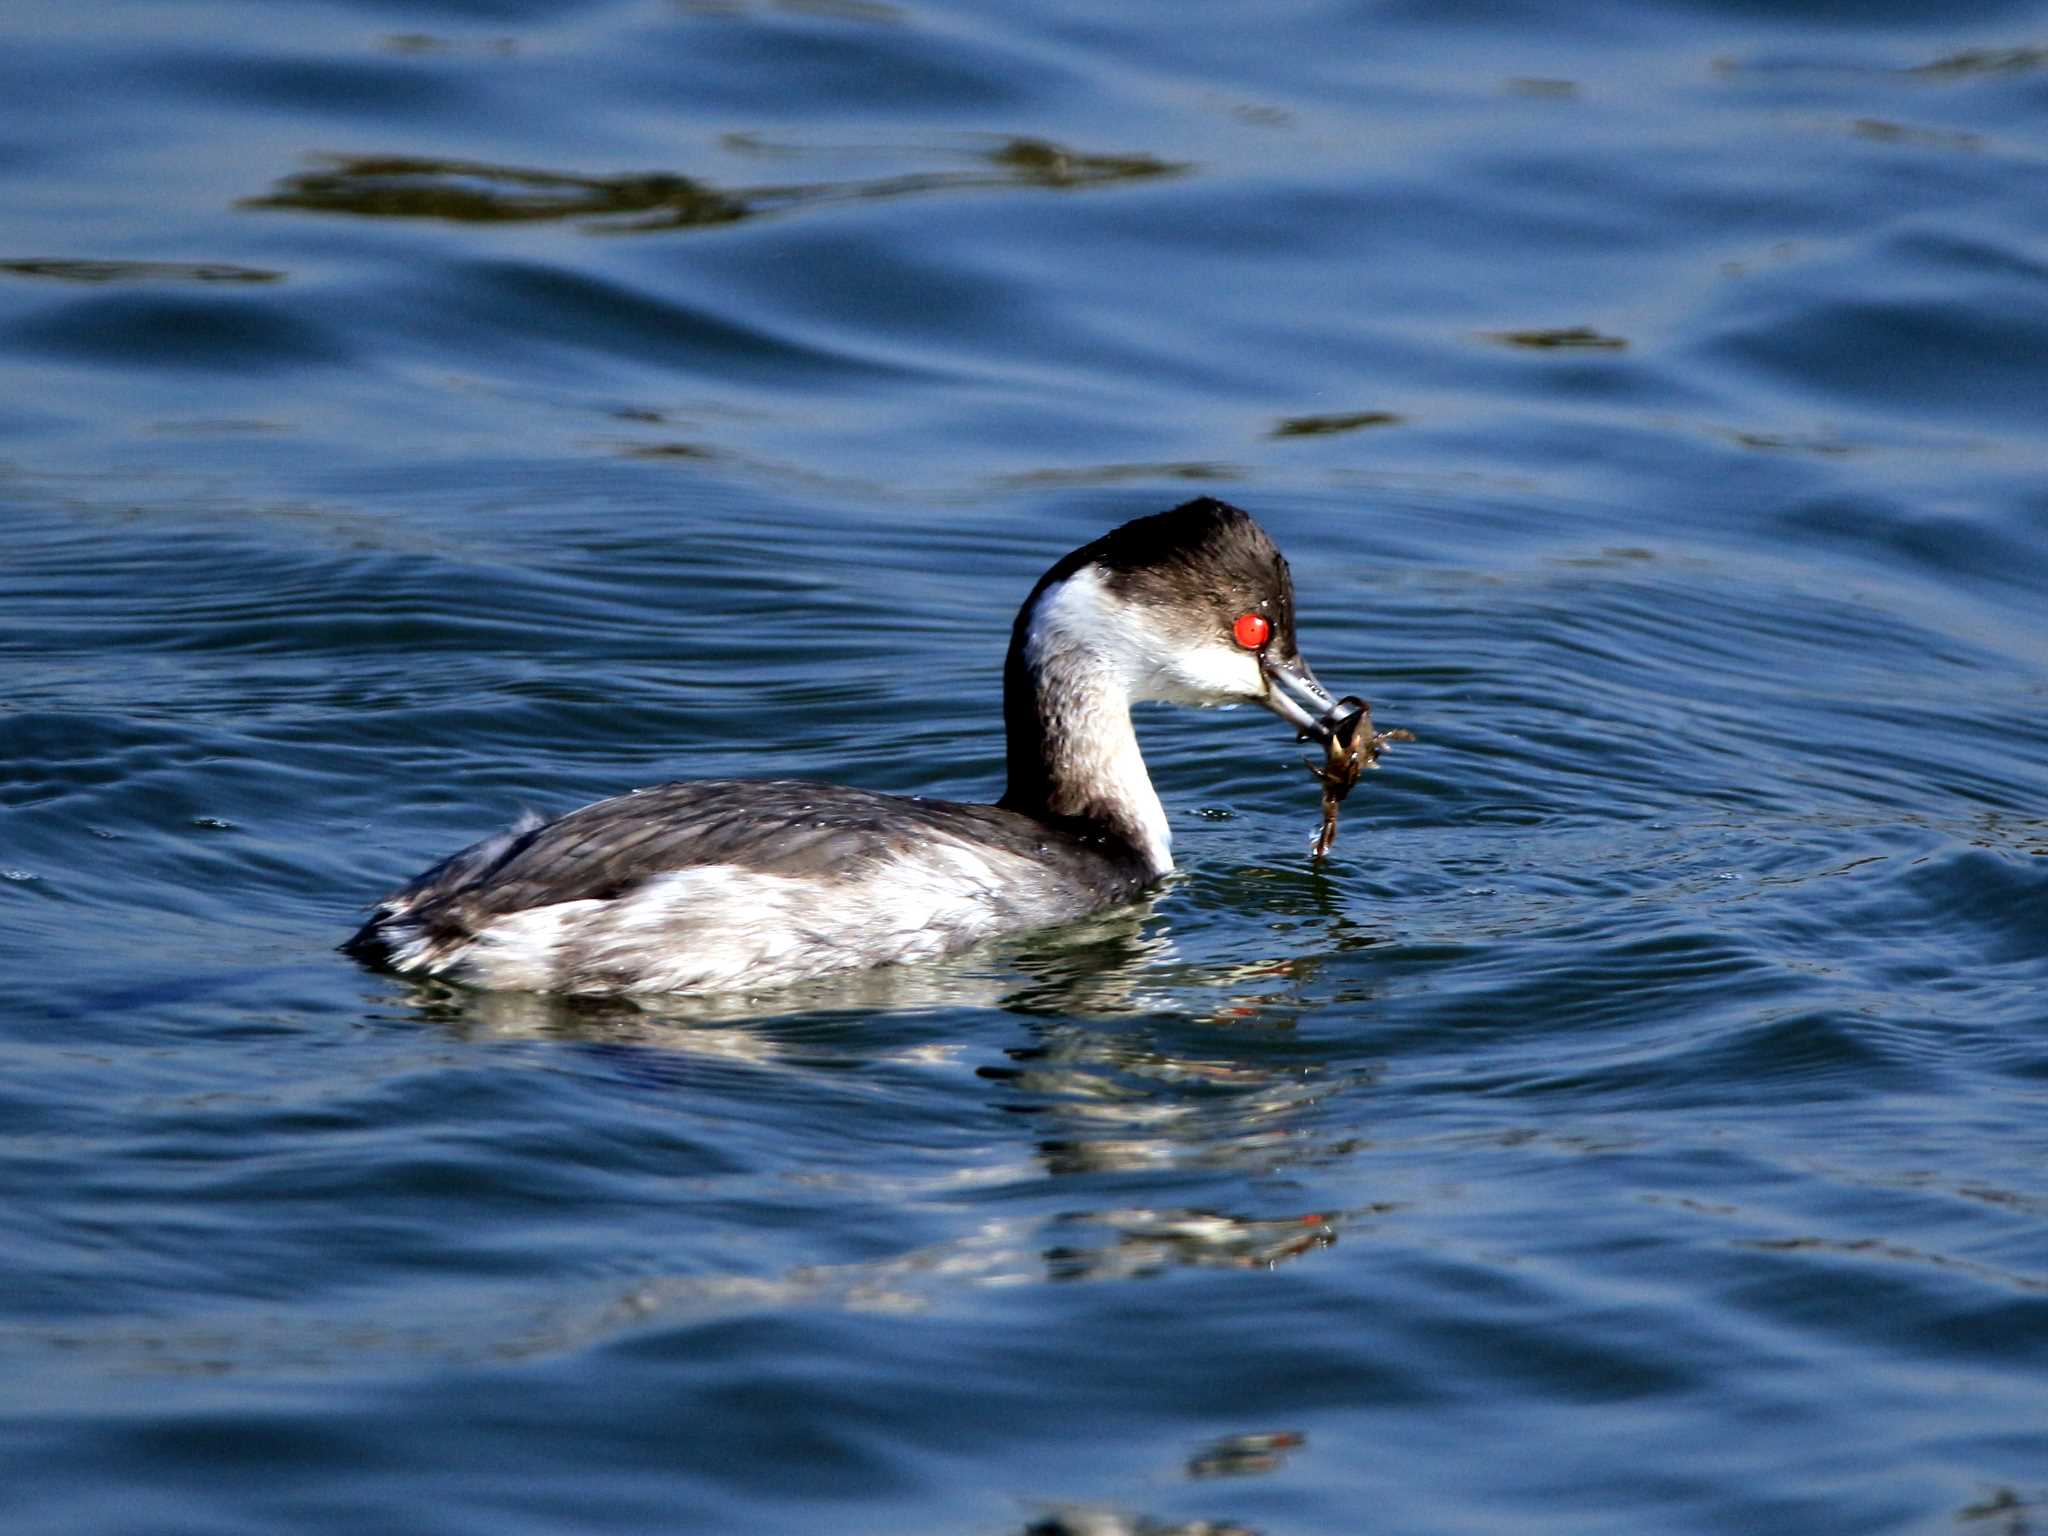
point(411, 413)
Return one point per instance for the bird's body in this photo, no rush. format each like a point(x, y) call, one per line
point(747, 884)
point(721, 885)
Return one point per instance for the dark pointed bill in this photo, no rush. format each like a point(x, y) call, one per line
point(1293, 694)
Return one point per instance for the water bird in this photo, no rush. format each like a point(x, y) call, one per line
point(751, 884)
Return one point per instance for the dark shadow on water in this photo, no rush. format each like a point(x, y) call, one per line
point(1324, 426)
point(867, 12)
point(1944, 69)
point(472, 191)
point(78, 270)
point(2004, 1512)
point(1983, 61)
point(1203, 471)
point(1571, 338)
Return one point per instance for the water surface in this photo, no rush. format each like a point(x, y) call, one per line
point(411, 413)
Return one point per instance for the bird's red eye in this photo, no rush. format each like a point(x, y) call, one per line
point(1252, 630)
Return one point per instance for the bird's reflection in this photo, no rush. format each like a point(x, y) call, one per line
point(1145, 1242)
point(1126, 1057)
point(1106, 1100)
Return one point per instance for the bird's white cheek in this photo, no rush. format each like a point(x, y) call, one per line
point(1216, 674)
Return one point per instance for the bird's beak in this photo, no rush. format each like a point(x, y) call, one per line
point(1293, 694)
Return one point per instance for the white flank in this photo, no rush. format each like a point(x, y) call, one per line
point(718, 927)
point(521, 952)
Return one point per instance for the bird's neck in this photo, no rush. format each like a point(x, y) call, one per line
point(1073, 754)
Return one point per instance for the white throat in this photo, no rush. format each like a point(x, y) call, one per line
point(1089, 661)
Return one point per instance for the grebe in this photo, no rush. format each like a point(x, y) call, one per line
point(751, 884)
